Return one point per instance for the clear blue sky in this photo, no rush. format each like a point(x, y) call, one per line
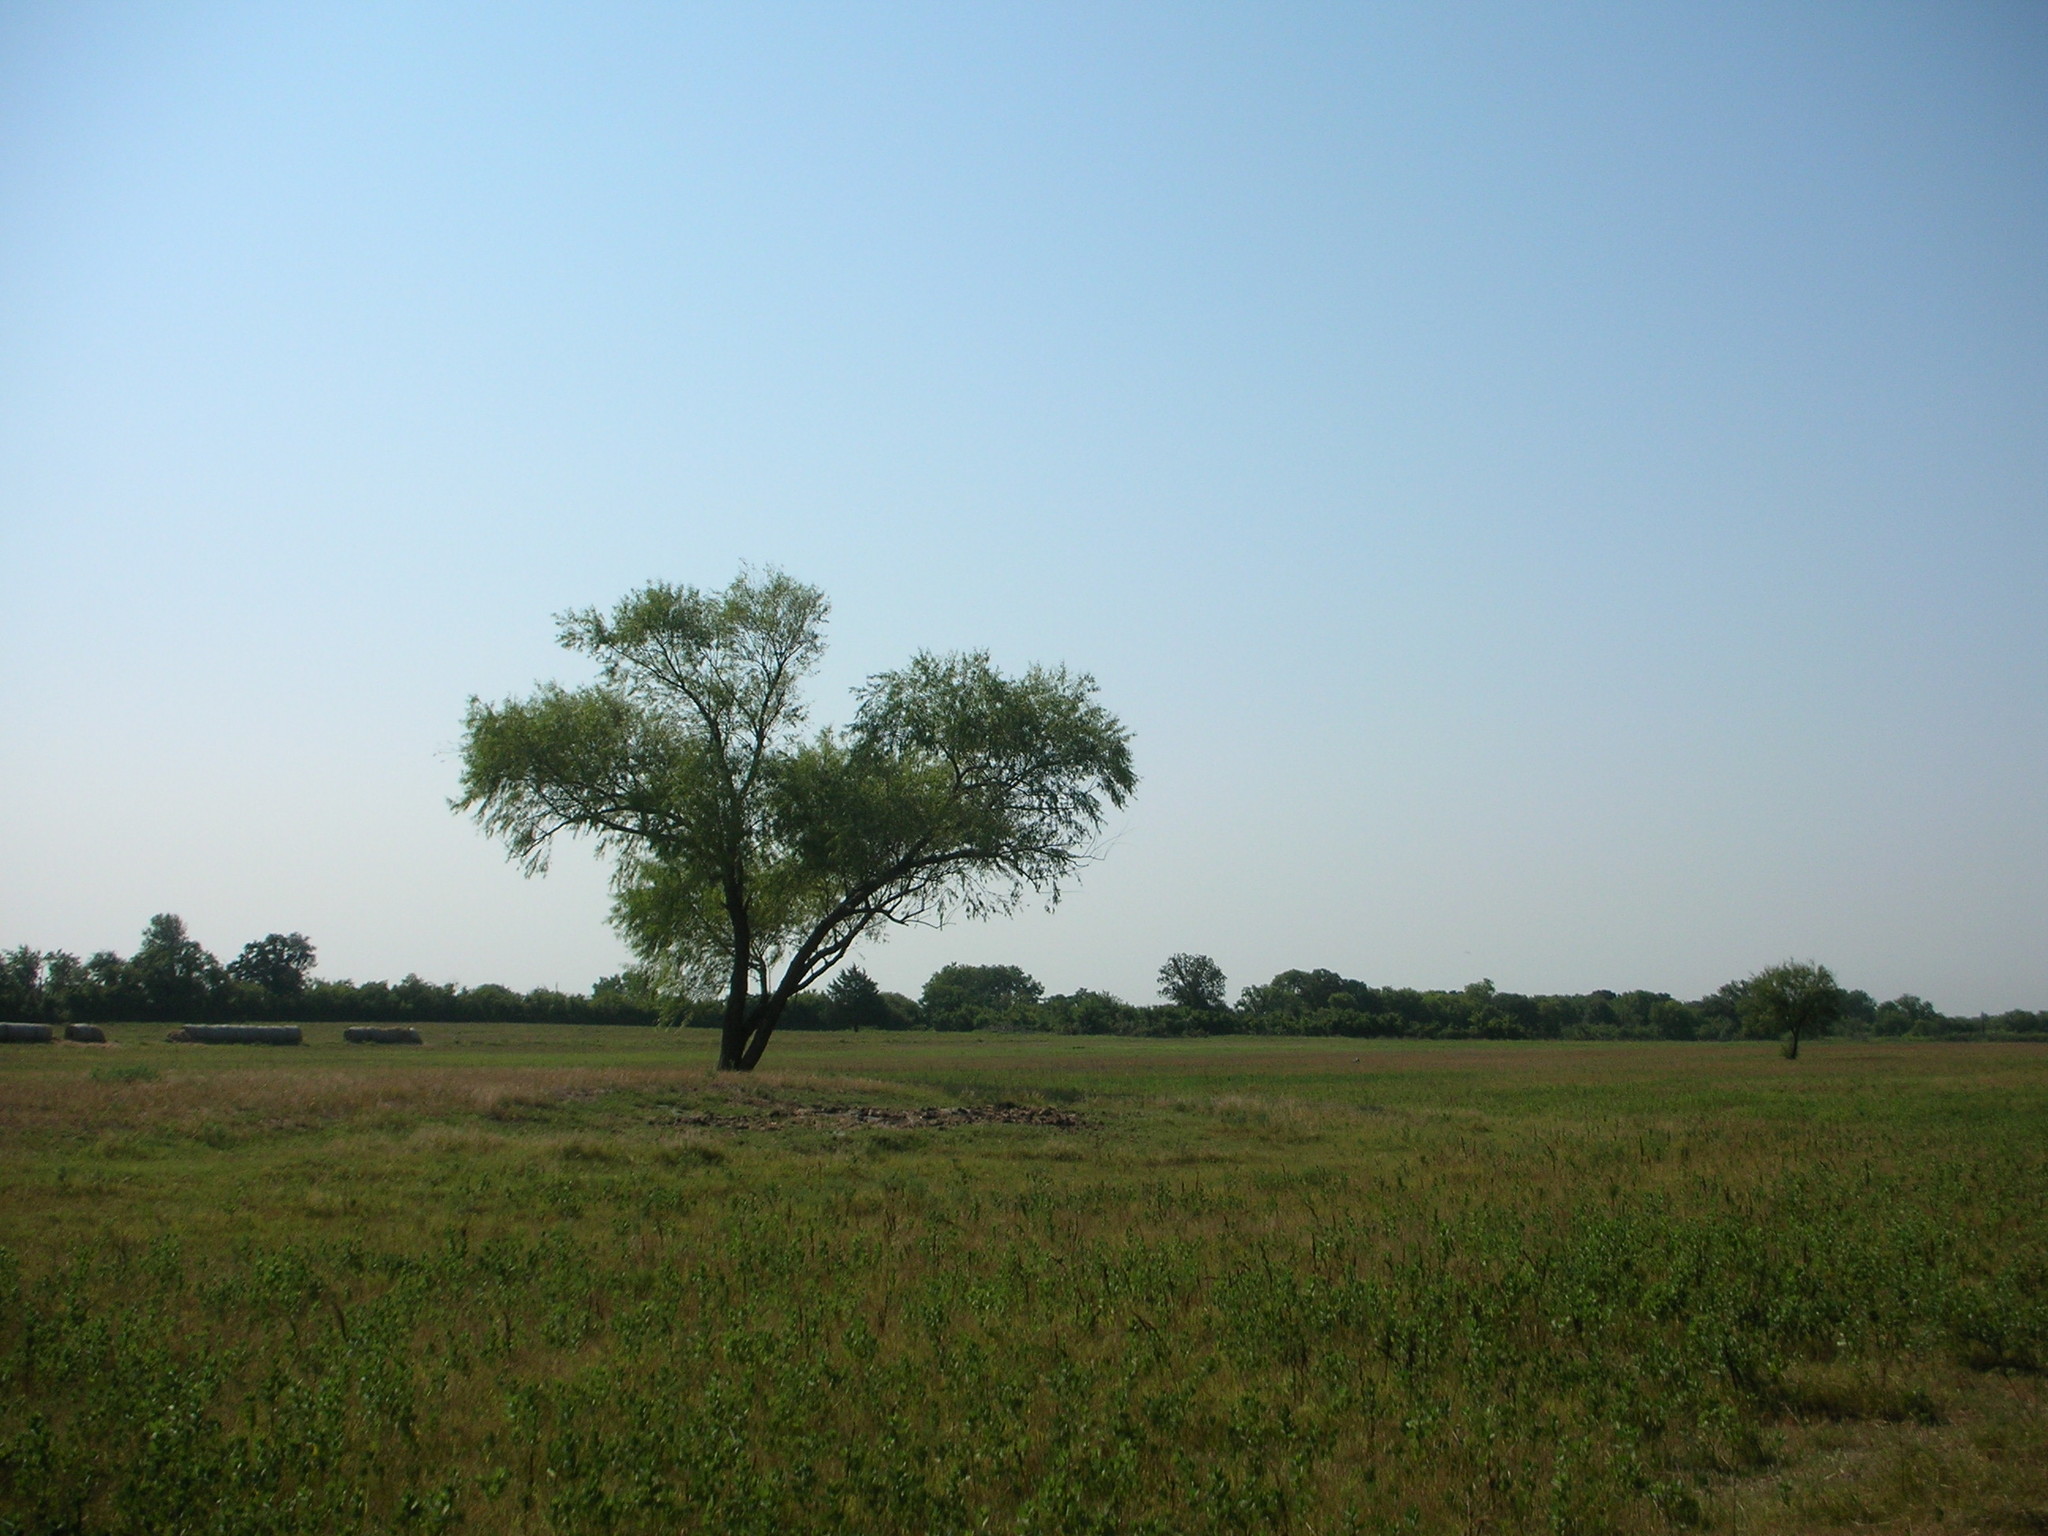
point(1559, 493)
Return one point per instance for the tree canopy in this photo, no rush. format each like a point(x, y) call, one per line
point(971, 996)
point(856, 1002)
point(1791, 999)
point(175, 972)
point(752, 855)
point(1193, 981)
point(278, 963)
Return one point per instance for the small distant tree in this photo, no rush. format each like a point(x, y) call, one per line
point(1908, 1015)
point(963, 996)
point(278, 963)
point(1193, 981)
point(1791, 1000)
point(47, 988)
point(21, 984)
point(634, 990)
point(856, 1001)
point(177, 975)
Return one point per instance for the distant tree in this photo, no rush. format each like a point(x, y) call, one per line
point(1859, 1011)
point(752, 856)
point(109, 989)
point(68, 990)
point(1672, 1020)
point(962, 996)
point(21, 985)
point(492, 1001)
point(1908, 1015)
point(856, 1001)
point(1297, 992)
point(278, 963)
point(1192, 981)
point(1083, 1012)
point(1790, 1000)
point(176, 974)
point(417, 998)
point(634, 991)
point(622, 987)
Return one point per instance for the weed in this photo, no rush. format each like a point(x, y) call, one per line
point(125, 1072)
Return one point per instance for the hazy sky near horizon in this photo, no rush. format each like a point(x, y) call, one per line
point(1558, 493)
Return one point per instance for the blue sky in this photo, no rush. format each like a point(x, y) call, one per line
point(1558, 493)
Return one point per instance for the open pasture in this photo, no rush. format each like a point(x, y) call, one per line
point(548, 1279)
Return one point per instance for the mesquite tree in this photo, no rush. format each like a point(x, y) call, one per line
point(1791, 999)
point(751, 855)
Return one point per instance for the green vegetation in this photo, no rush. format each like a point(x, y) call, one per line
point(545, 1280)
point(1193, 981)
point(1323, 1003)
point(173, 978)
point(58, 988)
point(1790, 1000)
point(753, 856)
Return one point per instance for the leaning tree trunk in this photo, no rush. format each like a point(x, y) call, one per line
point(764, 1026)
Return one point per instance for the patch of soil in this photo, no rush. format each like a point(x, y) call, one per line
point(853, 1115)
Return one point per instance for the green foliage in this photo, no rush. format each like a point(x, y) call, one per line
point(278, 963)
point(57, 987)
point(1193, 981)
point(28, 986)
point(979, 996)
point(177, 975)
point(1322, 1002)
point(125, 1072)
point(172, 978)
point(1907, 1015)
point(1791, 999)
point(752, 858)
point(857, 1002)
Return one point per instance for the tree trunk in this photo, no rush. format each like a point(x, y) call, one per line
point(765, 1020)
point(732, 1039)
point(1792, 1044)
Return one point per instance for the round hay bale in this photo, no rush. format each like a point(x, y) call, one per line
point(380, 1034)
point(25, 1034)
point(89, 1034)
point(239, 1034)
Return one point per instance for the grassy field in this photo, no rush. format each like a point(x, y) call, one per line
point(565, 1280)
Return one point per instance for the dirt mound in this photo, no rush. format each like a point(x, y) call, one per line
point(854, 1115)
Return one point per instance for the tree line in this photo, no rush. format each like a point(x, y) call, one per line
point(1776, 1002)
point(173, 978)
point(1323, 1002)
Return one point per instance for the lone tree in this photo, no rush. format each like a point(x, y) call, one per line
point(1794, 998)
point(1192, 981)
point(857, 1003)
point(752, 856)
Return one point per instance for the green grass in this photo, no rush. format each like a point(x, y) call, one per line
point(497, 1282)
